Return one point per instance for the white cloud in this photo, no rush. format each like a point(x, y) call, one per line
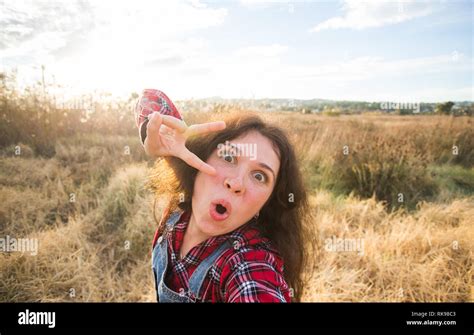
point(35, 28)
point(373, 13)
point(104, 44)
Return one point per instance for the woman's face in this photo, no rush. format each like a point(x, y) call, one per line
point(247, 168)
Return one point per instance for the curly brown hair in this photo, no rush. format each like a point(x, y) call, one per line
point(285, 217)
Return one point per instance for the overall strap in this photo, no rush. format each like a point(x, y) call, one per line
point(170, 222)
point(173, 218)
point(199, 274)
point(160, 264)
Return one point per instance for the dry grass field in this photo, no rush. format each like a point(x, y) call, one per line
point(393, 202)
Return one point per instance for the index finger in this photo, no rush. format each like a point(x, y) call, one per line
point(203, 128)
point(194, 161)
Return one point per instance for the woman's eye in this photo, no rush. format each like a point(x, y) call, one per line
point(228, 158)
point(261, 177)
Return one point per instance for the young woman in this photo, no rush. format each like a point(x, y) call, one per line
point(234, 230)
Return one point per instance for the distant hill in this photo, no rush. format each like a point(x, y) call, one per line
point(321, 105)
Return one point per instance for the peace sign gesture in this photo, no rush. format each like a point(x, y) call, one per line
point(166, 136)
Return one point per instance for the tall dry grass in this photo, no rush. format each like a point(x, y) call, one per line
point(102, 256)
point(425, 256)
point(97, 248)
point(386, 157)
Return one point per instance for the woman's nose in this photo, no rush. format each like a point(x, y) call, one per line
point(234, 185)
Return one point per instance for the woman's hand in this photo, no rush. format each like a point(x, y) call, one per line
point(166, 136)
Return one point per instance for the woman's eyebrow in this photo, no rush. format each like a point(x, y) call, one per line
point(265, 166)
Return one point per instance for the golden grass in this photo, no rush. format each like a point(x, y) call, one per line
point(99, 245)
point(425, 256)
point(88, 256)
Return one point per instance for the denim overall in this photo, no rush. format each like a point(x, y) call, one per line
point(159, 261)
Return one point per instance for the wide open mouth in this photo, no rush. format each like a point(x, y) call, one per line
point(221, 209)
point(222, 206)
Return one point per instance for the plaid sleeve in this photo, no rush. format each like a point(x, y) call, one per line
point(150, 101)
point(253, 277)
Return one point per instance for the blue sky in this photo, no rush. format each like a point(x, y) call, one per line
point(351, 50)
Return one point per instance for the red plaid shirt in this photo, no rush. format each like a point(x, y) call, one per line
point(251, 271)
